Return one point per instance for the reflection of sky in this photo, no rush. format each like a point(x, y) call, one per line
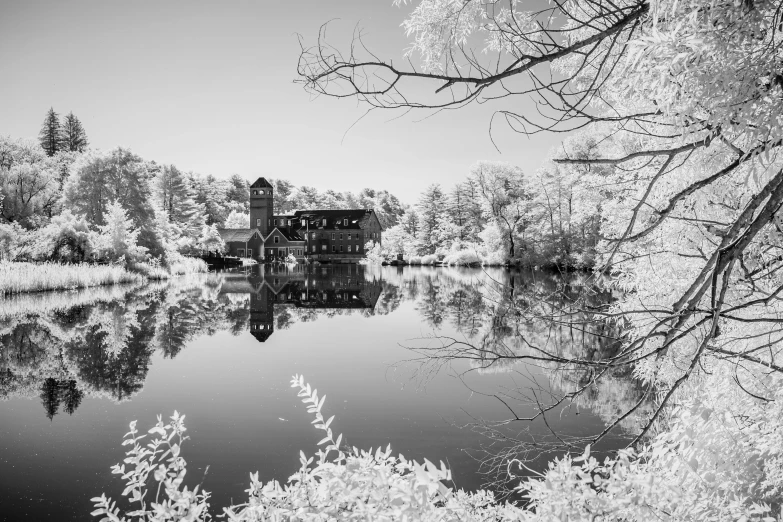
point(243, 416)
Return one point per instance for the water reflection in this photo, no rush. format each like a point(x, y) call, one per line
point(504, 334)
point(99, 342)
point(272, 292)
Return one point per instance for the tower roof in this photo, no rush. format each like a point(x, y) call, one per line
point(261, 183)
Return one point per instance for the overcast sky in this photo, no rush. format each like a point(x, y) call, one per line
point(209, 86)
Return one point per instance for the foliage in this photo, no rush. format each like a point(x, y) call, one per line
point(67, 238)
point(237, 220)
point(118, 240)
point(11, 235)
point(210, 240)
point(336, 482)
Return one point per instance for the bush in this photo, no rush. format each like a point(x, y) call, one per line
point(463, 258)
point(429, 259)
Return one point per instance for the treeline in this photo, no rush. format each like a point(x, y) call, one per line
point(64, 202)
point(501, 214)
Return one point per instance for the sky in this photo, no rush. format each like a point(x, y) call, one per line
point(209, 86)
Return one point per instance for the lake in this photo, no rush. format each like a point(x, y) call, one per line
point(425, 359)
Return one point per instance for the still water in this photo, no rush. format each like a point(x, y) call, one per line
point(77, 367)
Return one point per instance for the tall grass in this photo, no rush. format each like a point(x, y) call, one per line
point(19, 277)
point(188, 265)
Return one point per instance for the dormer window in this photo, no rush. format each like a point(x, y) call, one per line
point(345, 222)
point(324, 222)
point(255, 192)
point(262, 192)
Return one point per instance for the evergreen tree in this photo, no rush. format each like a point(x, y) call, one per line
point(73, 136)
point(51, 135)
point(432, 206)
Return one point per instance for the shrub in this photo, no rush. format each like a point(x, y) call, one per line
point(463, 258)
point(429, 259)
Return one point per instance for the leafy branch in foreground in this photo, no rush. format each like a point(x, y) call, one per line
point(704, 468)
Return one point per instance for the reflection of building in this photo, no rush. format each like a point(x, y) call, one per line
point(339, 286)
point(325, 235)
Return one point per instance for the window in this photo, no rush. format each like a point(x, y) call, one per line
point(345, 222)
point(332, 236)
point(358, 247)
point(269, 222)
point(255, 192)
point(323, 247)
point(334, 248)
point(262, 192)
point(277, 239)
point(249, 252)
point(341, 237)
point(290, 222)
point(275, 222)
point(258, 222)
point(341, 248)
point(312, 236)
point(241, 252)
point(349, 248)
point(349, 237)
point(314, 248)
point(324, 222)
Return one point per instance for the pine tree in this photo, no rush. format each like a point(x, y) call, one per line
point(74, 138)
point(51, 135)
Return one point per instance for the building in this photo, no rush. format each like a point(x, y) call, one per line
point(335, 236)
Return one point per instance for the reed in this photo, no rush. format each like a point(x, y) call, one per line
point(20, 277)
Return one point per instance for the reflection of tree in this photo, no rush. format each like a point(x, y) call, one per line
point(102, 346)
point(119, 375)
point(56, 393)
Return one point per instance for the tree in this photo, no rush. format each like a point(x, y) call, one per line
point(691, 95)
point(505, 199)
point(210, 240)
point(211, 194)
point(29, 192)
point(73, 136)
point(238, 193)
point(237, 220)
point(100, 179)
point(51, 134)
point(431, 206)
point(282, 192)
point(176, 194)
point(119, 238)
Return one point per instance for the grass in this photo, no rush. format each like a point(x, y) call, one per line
point(20, 277)
point(23, 277)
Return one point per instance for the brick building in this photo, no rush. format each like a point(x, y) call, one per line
point(337, 236)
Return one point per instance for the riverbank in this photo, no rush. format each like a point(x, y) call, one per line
point(25, 277)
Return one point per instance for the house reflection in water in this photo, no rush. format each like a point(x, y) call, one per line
point(312, 287)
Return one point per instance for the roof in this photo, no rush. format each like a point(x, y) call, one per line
point(261, 182)
point(289, 235)
point(241, 235)
point(335, 219)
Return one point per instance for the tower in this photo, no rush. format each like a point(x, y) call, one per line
point(261, 206)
